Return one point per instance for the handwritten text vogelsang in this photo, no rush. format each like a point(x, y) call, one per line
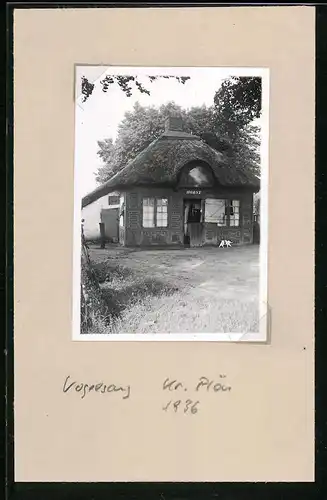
point(100, 388)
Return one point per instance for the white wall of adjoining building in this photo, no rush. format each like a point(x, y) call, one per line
point(92, 216)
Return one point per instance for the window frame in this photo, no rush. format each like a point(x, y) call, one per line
point(155, 211)
point(122, 211)
point(235, 212)
point(117, 197)
point(228, 212)
point(225, 214)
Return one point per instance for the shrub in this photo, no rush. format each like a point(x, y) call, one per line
point(95, 308)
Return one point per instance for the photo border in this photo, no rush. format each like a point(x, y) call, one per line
point(263, 335)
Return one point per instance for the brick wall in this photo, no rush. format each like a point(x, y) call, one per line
point(136, 235)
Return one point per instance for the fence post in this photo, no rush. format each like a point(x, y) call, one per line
point(102, 235)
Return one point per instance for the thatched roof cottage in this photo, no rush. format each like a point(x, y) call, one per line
point(178, 191)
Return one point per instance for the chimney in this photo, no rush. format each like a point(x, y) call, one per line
point(174, 124)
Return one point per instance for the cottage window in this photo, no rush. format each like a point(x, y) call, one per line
point(148, 212)
point(121, 210)
point(162, 212)
point(222, 212)
point(215, 211)
point(155, 212)
point(113, 200)
point(234, 213)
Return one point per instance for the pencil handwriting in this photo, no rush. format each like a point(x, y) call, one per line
point(83, 389)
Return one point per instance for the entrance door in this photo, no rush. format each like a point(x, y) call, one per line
point(110, 217)
point(193, 222)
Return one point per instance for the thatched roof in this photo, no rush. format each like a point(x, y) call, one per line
point(161, 162)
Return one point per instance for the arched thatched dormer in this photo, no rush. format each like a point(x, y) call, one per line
point(196, 173)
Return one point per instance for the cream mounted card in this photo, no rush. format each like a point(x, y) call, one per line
point(163, 330)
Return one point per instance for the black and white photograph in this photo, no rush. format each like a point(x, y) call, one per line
point(170, 203)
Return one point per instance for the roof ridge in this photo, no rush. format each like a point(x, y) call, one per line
point(178, 135)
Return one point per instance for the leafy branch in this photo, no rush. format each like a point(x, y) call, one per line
point(125, 83)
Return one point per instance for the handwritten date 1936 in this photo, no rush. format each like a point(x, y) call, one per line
point(187, 406)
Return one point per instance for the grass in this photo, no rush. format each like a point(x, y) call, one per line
point(174, 315)
point(179, 292)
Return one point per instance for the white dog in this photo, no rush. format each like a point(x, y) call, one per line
point(224, 243)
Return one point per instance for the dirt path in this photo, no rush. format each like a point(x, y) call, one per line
point(219, 281)
point(232, 272)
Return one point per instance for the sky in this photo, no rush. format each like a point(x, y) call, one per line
point(98, 118)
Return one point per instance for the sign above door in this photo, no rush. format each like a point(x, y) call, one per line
point(193, 192)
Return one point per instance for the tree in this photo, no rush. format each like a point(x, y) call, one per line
point(200, 120)
point(106, 152)
point(136, 131)
point(139, 128)
point(225, 126)
point(106, 149)
point(246, 149)
point(144, 124)
point(125, 83)
point(237, 103)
